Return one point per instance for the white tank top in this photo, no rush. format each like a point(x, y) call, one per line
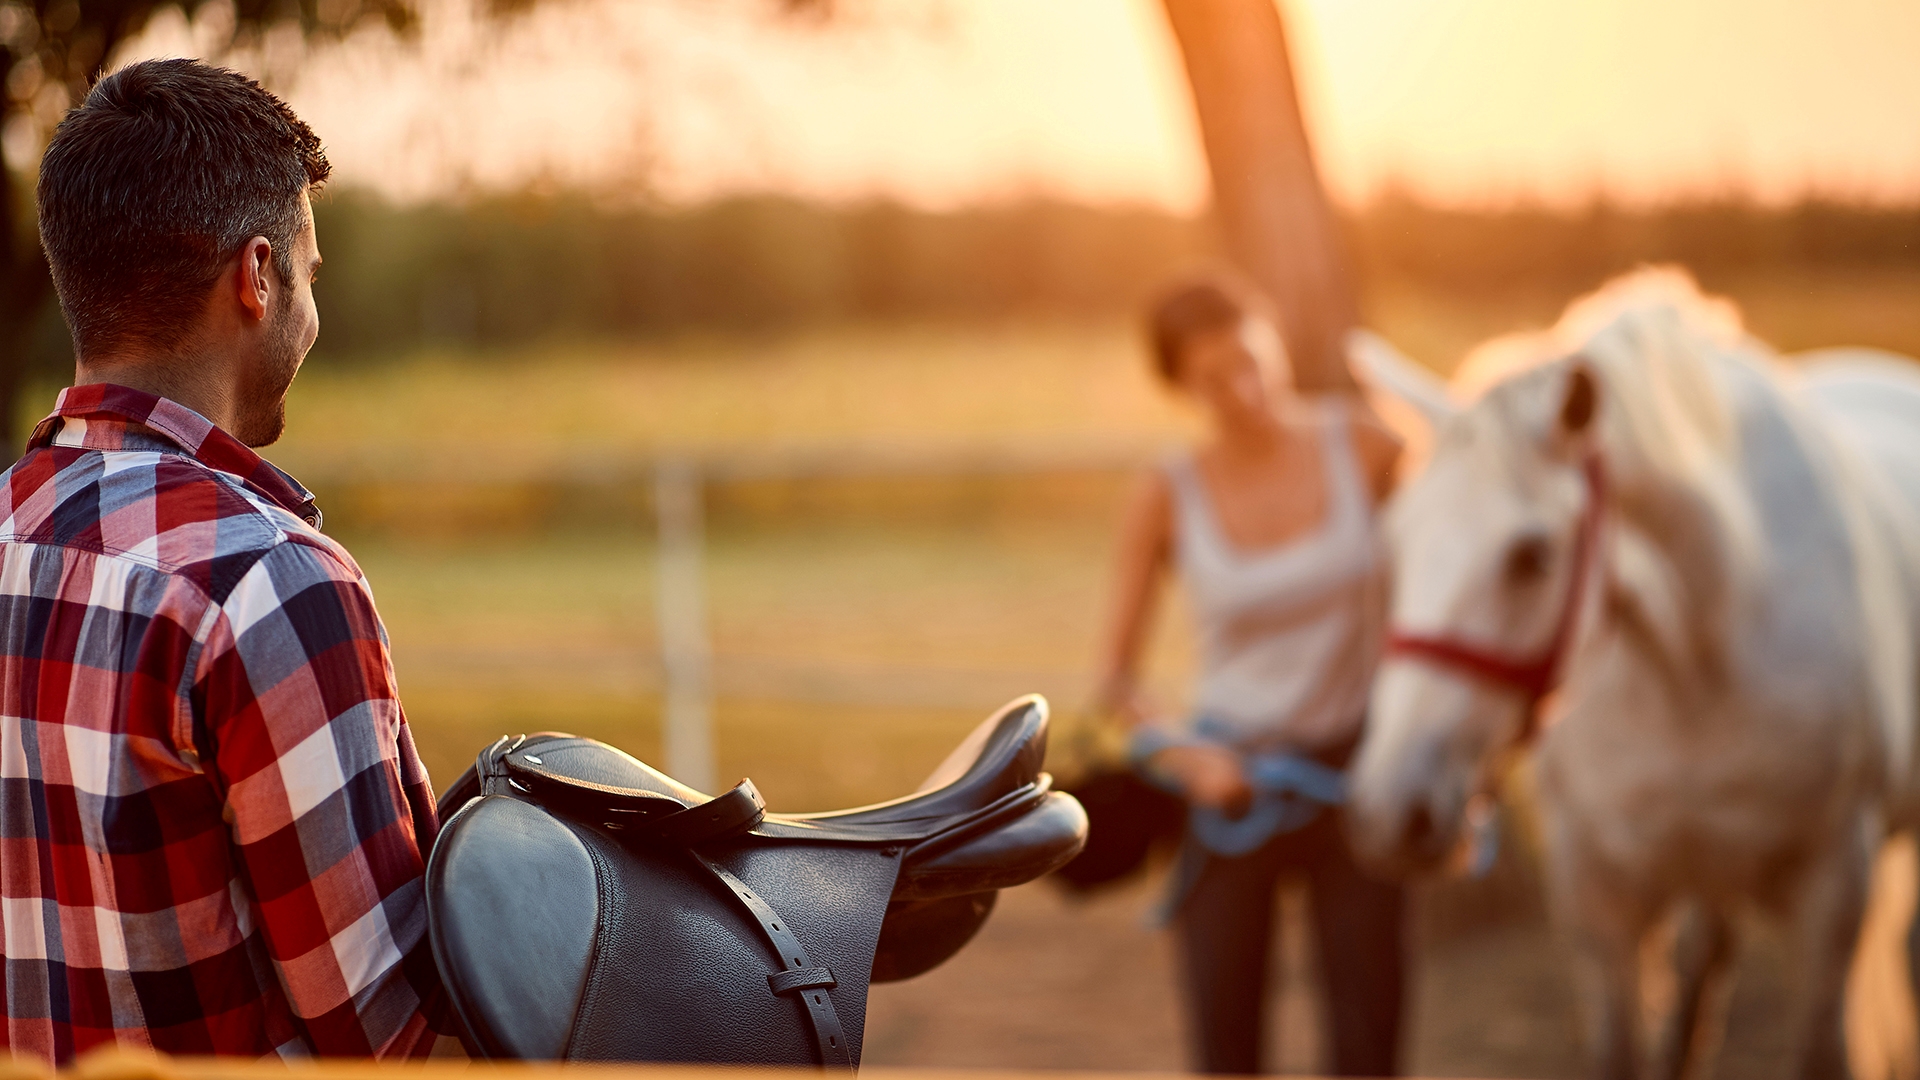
point(1289, 635)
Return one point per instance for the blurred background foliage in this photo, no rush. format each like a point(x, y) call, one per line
point(503, 271)
point(512, 269)
point(508, 270)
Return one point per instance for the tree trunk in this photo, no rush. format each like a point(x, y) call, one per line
point(22, 278)
point(23, 273)
point(1279, 227)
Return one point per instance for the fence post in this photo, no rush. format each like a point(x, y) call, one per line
point(687, 720)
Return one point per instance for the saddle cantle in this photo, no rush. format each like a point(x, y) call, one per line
point(585, 906)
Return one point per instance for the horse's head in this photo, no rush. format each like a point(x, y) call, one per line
point(1500, 561)
point(1492, 545)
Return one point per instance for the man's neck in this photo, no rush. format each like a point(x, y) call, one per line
point(179, 379)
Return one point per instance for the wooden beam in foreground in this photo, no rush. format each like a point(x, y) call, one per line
point(118, 1064)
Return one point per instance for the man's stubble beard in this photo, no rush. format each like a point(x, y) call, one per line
point(262, 413)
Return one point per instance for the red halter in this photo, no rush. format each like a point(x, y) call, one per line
point(1537, 675)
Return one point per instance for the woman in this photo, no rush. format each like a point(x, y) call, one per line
point(1271, 527)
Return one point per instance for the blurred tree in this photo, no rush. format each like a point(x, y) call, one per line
point(1277, 222)
point(1278, 225)
point(51, 51)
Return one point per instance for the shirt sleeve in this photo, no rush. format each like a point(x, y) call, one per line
point(330, 809)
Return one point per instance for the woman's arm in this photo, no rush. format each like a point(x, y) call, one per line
point(1211, 776)
point(1146, 547)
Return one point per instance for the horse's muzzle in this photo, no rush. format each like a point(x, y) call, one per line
point(1413, 839)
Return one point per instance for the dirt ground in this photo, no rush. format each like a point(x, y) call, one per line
point(1054, 981)
point(1059, 982)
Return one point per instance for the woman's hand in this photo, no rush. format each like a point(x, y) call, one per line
point(1211, 776)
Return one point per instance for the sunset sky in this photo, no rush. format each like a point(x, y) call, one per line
point(941, 102)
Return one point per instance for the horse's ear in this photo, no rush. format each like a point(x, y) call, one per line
point(1582, 399)
point(1380, 366)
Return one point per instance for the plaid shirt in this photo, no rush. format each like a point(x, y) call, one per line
point(213, 823)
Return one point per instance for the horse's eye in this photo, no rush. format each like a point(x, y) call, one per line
point(1527, 559)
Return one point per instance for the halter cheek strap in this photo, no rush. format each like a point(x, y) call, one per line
point(1536, 675)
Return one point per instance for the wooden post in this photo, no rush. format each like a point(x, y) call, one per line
point(1278, 225)
point(687, 715)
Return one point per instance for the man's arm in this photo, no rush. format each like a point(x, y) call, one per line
point(330, 808)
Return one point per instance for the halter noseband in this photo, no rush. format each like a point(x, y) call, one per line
point(1537, 675)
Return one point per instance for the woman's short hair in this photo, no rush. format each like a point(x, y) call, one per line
point(1195, 305)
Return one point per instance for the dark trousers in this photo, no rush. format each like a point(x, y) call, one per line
point(1226, 934)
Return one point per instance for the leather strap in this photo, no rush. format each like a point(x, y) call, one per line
point(800, 975)
point(786, 982)
point(739, 810)
point(731, 814)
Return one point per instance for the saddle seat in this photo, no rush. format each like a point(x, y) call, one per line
point(582, 838)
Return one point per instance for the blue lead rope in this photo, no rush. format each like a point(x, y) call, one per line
point(1289, 790)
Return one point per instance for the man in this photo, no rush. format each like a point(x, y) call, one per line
point(215, 822)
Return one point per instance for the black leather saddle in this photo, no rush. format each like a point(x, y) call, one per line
point(584, 906)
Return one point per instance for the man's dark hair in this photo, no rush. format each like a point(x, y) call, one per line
point(1213, 300)
point(156, 181)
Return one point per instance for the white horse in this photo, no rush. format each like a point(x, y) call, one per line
point(1702, 569)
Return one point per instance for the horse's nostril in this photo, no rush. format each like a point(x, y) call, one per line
point(1420, 828)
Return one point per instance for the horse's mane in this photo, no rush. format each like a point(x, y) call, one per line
point(1656, 341)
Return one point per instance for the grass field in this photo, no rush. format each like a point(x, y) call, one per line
point(846, 660)
point(879, 617)
point(854, 643)
point(881, 620)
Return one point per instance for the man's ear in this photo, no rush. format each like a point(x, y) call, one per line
point(256, 282)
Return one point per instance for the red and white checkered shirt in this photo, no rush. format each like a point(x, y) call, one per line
point(213, 823)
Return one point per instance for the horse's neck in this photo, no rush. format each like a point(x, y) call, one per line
point(1673, 579)
point(1744, 583)
point(1687, 563)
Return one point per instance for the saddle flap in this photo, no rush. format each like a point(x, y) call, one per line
point(514, 959)
point(685, 974)
point(920, 935)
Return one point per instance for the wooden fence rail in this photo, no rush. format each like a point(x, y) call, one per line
point(678, 482)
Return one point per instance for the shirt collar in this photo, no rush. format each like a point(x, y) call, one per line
point(103, 411)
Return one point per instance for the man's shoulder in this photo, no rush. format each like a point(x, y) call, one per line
point(162, 510)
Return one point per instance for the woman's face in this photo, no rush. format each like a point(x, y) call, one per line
point(1238, 373)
